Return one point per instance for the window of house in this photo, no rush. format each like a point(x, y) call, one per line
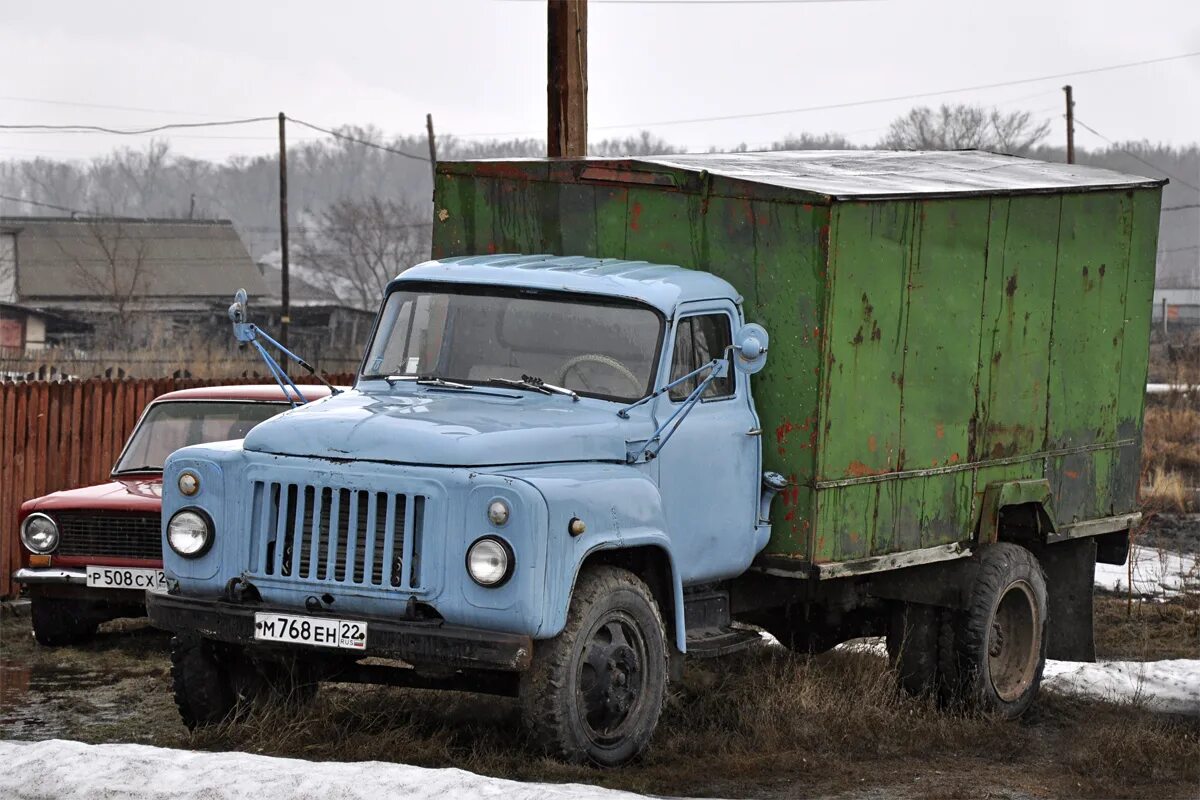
point(698, 340)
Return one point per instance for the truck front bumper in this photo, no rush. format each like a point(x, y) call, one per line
point(416, 642)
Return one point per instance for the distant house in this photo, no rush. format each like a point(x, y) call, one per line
point(121, 273)
point(321, 322)
point(1181, 306)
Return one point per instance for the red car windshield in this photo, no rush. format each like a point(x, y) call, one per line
point(168, 426)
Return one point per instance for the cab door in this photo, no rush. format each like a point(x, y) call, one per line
point(708, 472)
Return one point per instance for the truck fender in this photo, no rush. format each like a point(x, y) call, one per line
point(616, 551)
point(1001, 494)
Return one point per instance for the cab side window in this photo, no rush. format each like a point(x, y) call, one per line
point(698, 340)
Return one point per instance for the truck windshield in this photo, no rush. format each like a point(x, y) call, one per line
point(475, 335)
point(168, 426)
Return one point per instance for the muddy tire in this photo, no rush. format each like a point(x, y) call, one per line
point(595, 692)
point(994, 650)
point(912, 645)
point(59, 622)
point(204, 686)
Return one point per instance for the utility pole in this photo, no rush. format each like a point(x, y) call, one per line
point(432, 146)
point(566, 84)
point(285, 306)
point(1070, 125)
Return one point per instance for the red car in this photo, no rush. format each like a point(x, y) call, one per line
point(89, 554)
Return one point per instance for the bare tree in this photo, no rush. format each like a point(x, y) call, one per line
point(109, 264)
point(356, 247)
point(964, 127)
point(644, 143)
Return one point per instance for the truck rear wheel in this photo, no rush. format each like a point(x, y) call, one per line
point(912, 645)
point(994, 651)
point(595, 691)
point(58, 622)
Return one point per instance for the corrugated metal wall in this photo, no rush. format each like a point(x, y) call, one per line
point(62, 435)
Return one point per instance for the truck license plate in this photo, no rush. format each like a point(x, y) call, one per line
point(125, 578)
point(317, 631)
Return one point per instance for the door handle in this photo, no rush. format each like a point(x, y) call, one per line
point(754, 432)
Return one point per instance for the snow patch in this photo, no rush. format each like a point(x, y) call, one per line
point(1156, 573)
point(1172, 685)
point(65, 770)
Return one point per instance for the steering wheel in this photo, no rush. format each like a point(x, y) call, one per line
point(596, 358)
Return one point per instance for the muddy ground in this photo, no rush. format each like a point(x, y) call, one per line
point(765, 724)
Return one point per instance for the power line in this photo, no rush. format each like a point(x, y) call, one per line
point(356, 140)
point(1180, 208)
point(105, 107)
point(1152, 166)
point(44, 205)
point(133, 131)
point(873, 101)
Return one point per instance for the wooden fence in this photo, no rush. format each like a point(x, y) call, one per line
point(62, 435)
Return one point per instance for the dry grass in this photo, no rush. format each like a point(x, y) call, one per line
point(765, 723)
point(757, 723)
point(1167, 491)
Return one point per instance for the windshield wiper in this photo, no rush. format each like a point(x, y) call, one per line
point(143, 468)
point(426, 380)
point(536, 384)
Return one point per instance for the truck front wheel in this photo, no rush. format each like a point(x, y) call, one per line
point(209, 681)
point(994, 651)
point(595, 691)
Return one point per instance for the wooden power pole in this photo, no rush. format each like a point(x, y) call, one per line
point(566, 84)
point(1070, 125)
point(432, 146)
point(285, 305)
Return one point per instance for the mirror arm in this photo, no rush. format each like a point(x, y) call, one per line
point(714, 365)
point(717, 368)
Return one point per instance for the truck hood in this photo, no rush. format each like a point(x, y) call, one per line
point(482, 427)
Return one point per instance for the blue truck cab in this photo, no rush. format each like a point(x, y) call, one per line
point(513, 497)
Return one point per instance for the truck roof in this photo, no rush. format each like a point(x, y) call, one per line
point(826, 174)
point(660, 285)
point(251, 392)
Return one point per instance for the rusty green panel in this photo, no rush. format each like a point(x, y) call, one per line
point(1139, 296)
point(611, 205)
point(946, 508)
point(855, 523)
point(788, 298)
point(658, 228)
point(1017, 313)
point(870, 249)
point(1089, 318)
point(941, 338)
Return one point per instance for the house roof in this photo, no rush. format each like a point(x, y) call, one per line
point(660, 285)
point(62, 258)
point(828, 174)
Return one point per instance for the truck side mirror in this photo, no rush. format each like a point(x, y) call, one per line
point(750, 348)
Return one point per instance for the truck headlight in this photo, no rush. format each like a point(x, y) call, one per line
point(489, 561)
point(190, 533)
point(39, 533)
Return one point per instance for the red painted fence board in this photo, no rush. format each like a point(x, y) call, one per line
point(61, 435)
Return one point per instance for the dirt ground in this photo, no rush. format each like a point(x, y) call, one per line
point(763, 724)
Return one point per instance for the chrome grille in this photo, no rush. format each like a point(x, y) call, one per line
point(119, 535)
point(339, 535)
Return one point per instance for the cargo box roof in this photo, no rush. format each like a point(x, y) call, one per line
point(829, 174)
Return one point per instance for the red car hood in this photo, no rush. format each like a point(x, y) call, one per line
point(125, 494)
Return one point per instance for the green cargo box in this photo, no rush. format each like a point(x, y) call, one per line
point(950, 332)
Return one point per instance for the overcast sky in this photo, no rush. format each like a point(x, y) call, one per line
point(480, 67)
